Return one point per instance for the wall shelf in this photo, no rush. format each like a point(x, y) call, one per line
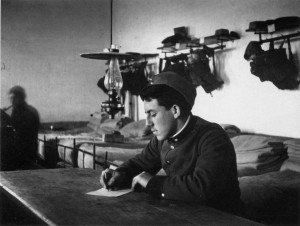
point(220, 39)
point(173, 48)
point(217, 39)
point(289, 36)
point(275, 26)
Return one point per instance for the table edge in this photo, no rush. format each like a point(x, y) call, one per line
point(33, 210)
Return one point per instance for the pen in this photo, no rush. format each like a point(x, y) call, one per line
point(106, 182)
point(108, 175)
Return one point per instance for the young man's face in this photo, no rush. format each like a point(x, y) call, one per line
point(161, 121)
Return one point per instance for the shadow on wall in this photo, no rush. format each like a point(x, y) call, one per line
point(220, 72)
point(221, 58)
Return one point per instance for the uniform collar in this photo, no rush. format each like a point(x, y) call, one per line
point(183, 131)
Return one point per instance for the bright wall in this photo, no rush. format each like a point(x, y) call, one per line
point(41, 45)
point(243, 100)
point(41, 41)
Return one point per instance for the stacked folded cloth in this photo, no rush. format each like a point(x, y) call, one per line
point(293, 149)
point(258, 154)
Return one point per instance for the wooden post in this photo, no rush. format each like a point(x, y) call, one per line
point(64, 156)
point(74, 153)
point(83, 156)
point(45, 148)
point(105, 161)
point(94, 156)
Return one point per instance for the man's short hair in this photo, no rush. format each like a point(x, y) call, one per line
point(18, 91)
point(167, 97)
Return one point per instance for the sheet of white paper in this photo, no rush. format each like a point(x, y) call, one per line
point(105, 192)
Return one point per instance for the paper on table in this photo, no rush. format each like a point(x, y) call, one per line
point(105, 192)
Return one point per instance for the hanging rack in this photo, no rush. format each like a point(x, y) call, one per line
point(289, 36)
point(182, 56)
point(218, 40)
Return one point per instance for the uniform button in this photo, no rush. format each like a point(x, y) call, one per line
point(172, 147)
point(162, 195)
point(175, 140)
point(168, 162)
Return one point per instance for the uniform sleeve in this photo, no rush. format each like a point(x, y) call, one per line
point(214, 167)
point(148, 160)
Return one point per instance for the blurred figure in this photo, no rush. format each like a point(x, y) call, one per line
point(25, 120)
point(6, 142)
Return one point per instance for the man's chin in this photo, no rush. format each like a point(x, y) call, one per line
point(160, 138)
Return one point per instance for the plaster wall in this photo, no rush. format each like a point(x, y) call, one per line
point(41, 44)
point(243, 100)
point(41, 41)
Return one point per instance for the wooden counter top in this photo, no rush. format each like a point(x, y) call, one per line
point(58, 197)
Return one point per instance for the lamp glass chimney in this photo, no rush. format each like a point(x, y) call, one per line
point(113, 78)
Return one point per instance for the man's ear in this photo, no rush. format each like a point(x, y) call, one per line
point(176, 111)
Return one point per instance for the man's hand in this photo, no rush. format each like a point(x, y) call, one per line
point(114, 180)
point(141, 179)
point(106, 175)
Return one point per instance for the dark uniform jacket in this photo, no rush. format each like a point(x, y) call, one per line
point(25, 120)
point(200, 166)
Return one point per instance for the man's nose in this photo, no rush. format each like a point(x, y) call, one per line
point(149, 122)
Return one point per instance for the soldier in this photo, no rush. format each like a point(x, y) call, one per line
point(197, 156)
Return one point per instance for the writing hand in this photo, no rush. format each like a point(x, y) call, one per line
point(114, 180)
point(105, 177)
point(142, 179)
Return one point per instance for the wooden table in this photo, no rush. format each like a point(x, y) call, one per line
point(58, 197)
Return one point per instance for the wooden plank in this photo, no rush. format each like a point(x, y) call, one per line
point(58, 197)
